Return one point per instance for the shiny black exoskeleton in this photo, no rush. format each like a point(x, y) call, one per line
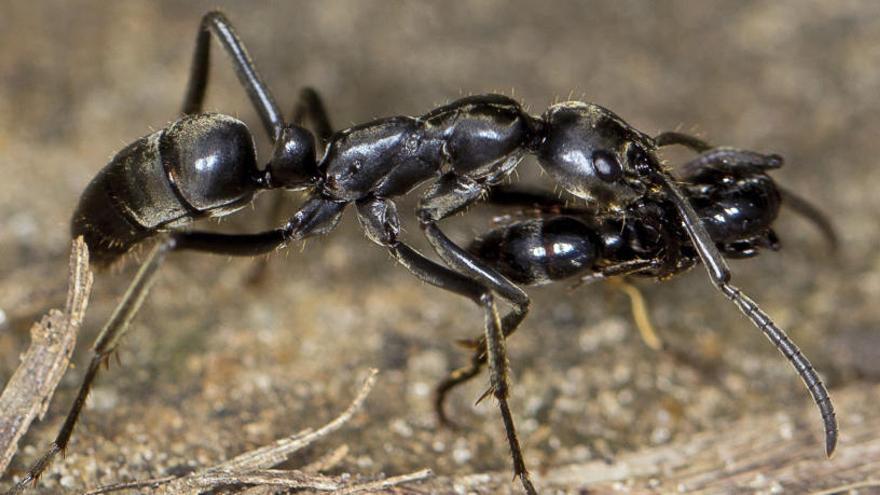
point(736, 204)
point(205, 165)
point(202, 165)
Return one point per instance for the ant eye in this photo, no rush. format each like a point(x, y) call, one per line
point(606, 165)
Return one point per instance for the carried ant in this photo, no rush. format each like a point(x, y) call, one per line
point(638, 218)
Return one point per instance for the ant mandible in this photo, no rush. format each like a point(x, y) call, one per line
point(205, 165)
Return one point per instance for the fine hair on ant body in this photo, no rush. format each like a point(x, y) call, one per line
point(638, 218)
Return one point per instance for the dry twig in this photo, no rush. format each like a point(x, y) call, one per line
point(53, 338)
point(253, 468)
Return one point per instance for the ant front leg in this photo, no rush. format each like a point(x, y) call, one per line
point(379, 218)
point(309, 108)
point(451, 194)
point(217, 24)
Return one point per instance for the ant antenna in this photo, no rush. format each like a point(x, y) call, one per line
point(719, 273)
point(812, 214)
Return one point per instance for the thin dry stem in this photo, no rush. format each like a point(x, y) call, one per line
point(387, 483)
point(253, 467)
point(327, 461)
point(280, 450)
point(28, 393)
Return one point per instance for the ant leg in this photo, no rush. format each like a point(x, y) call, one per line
point(380, 221)
point(104, 346)
point(621, 269)
point(440, 276)
point(317, 216)
point(732, 159)
point(449, 195)
point(812, 214)
point(462, 375)
point(308, 107)
point(723, 156)
point(216, 23)
point(712, 155)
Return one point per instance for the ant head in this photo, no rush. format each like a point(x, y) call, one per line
point(593, 154)
point(293, 164)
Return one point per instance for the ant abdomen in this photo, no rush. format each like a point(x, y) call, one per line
point(540, 251)
point(200, 165)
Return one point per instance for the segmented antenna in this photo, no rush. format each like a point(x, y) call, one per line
point(720, 276)
point(794, 355)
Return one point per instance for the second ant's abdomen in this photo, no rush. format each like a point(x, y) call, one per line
point(535, 252)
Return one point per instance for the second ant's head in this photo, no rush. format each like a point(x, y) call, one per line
point(293, 164)
point(593, 154)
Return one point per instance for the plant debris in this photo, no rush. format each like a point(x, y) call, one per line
point(28, 393)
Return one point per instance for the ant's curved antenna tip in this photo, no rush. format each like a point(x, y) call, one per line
point(830, 443)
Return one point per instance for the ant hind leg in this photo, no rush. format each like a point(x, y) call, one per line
point(317, 216)
point(217, 24)
point(104, 346)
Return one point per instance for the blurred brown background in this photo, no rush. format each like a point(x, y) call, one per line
point(213, 367)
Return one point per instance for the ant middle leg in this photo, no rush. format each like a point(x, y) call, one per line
point(379, 218)
point(104, 346)
point(449, 195)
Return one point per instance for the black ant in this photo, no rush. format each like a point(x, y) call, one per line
point(549, 240)
point(643, 220)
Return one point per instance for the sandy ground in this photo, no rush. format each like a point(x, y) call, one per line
point(214, 367)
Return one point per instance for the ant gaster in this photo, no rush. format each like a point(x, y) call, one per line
point(205, 165)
